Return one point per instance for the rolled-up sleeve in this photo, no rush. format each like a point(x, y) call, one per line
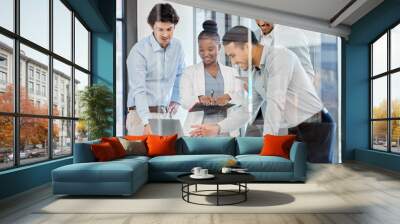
point(136, 64)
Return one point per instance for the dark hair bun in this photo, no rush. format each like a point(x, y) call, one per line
point(210, 26)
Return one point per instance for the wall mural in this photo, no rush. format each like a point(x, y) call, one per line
point(248, 78)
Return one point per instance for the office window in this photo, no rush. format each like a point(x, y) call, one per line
point(62, 29)
point(33, 140)
point(62, 73)
point(35, 21)
point(379, 56)
point(81, 45)
point(395, 47)
point(45, 131)
point(385, 92)
point(81, 81)
point(40, 62)
point(6, 142)
point(6, 73)
point(62, 137)
point(7, 14)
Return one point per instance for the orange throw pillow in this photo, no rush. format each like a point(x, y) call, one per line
point(161, 145)
point(116, 145)
point(277, 145)
point(135, 137)
point(103, 151)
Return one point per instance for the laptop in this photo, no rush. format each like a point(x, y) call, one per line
point(161, 126)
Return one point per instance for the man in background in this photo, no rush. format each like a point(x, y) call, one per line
point(270, 34)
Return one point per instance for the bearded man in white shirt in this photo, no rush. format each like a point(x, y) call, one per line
point(281, 84)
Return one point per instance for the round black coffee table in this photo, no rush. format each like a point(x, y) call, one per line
point(238, 179)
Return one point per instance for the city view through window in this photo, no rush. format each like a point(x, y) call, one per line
point(385, 92)
point(49, 82)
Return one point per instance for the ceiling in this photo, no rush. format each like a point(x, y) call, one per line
point(320, 9)
point(326, 16)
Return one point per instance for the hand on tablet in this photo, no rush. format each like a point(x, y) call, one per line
point(206, 100)
point(222, 100)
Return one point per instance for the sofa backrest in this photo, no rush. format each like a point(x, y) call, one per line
point(206, 145)
point(249, 145)
point(83, 152)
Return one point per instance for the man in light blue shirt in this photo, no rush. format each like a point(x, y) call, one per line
point(155, 65)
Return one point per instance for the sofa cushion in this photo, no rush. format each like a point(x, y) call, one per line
point(161, 145)
point(185, 163)
point(112, 171)
point(257, 163)
point(277, 145)
point(103, 152)
point(116, 145)
point(136, 137)
point(249, 145)
point(134, 147)
point(206, 145)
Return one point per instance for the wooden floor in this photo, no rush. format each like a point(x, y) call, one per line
point(377, 188)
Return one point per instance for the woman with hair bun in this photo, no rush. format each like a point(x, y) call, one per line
point(210, 83)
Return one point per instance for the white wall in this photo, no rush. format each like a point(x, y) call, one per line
point(184, 29)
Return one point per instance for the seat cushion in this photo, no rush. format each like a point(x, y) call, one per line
point(132, 160)
point(112, 171)
point(257, 163)
point(185, 163)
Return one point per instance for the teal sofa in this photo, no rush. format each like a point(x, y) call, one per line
point(125, 176)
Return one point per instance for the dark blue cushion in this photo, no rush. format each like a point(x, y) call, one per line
point(206, 145)
point(249, 145)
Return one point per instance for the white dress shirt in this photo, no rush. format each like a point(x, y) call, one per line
point(286, 88)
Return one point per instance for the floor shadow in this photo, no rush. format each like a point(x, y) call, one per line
point(255, 198)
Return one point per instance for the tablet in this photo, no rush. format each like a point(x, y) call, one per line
point(166, 126)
